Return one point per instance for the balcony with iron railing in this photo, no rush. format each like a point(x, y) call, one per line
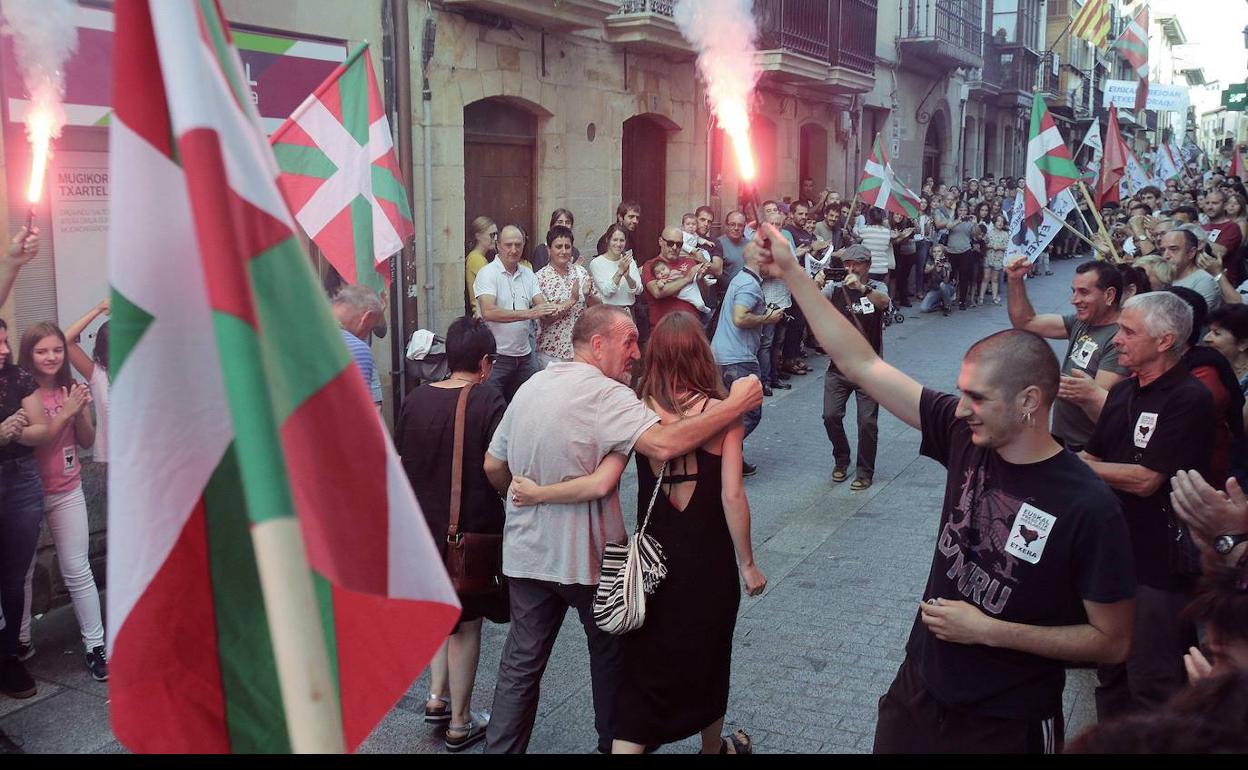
point(985, 81)
point(1048, 78)
point(829, 42)
point(943, 33)
point(554, 15)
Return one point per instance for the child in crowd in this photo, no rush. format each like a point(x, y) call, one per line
point(689, 292)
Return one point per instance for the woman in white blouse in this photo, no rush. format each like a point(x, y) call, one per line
point(614, 272)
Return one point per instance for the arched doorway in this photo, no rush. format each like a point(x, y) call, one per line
point(500, 141)
point(643, 179)
point(813, 156)
point(933, 150)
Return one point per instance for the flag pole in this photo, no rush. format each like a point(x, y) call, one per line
point(1068, 226)
point(309, 692)
point(1096, 213)
point(1086, 226)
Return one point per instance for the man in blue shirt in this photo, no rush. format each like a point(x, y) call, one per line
point(358, 309)
point(738, 334)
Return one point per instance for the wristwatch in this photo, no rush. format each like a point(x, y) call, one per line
point(1226, 543)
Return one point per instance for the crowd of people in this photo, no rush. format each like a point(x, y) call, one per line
point(1094, 511)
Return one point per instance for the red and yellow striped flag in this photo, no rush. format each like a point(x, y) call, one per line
point(1092, 22)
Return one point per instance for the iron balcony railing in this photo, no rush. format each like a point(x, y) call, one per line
point(956, 22)
point(840, 32)
point(1047, 80)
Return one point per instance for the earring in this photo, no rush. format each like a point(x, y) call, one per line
point(1028, 419)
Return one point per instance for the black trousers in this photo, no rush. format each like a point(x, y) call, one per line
point(912, 721)
point(964, 268)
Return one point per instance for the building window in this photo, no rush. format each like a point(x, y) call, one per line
point(1016, 21)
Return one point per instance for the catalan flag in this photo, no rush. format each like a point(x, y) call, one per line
point(1092, 22)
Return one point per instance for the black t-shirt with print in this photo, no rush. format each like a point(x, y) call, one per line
point(15, 384)
point(1166, 426)
point(860, 311)
point(1024, 544)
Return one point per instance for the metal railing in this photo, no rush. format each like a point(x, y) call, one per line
point(957, 22)
point(663, 7)
point(1048, 81)
point(840, 32)
point(990, 73)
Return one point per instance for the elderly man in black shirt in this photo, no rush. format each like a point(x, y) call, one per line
point(1032, 564)
point(1153, 425)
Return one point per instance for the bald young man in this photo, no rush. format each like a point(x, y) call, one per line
point(1025, 576)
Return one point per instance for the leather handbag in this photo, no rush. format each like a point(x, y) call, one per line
point(474, 561)
point(629, 572)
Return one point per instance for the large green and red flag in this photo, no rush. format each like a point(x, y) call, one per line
point(1049, 168)
point(236, 409)
point(340, 174)
point(880, 186)
point(1133, 45)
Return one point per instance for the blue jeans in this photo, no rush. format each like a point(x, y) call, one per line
point(21, 511)
point(510, 372)
point(935, 299)
point(735, 372)
point(767, 339)
point(921, 249)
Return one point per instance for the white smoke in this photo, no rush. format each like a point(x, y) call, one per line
point(44, 36)
point(723, 33)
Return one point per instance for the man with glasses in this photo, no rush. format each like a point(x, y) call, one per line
point(509, 298)
point(681, 271)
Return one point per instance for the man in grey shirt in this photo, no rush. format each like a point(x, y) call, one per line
point(560, 425)
point(1181, 247)
point(1090, 367)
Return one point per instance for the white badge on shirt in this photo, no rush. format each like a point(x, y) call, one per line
point(864, 306)
point(1145, 427)
point(69, 459)
point(1082, 355)
point(1030, 533)
point(1213, 235)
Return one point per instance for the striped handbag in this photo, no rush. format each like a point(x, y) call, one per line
point(629, 572)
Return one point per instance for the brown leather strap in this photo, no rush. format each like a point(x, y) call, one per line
point(457, 462)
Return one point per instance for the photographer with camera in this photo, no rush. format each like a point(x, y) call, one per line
point(863, 302)
point(938, 282)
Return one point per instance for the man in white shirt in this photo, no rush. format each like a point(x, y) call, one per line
point(509, 298)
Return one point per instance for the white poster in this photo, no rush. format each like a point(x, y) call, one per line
point(79, 190)
point(1169, 98)
point(1031, 243)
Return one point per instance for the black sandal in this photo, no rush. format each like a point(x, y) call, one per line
point(741, 743)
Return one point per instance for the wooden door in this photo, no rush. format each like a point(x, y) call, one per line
point(498, 182)
point(644, 180)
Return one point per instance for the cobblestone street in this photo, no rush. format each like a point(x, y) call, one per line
point(811, 656)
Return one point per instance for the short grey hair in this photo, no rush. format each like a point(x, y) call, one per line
point(359, 299)
point(1163, 313)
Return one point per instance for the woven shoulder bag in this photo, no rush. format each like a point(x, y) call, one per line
point(629, 572)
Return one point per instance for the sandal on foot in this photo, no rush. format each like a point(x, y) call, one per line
point(840, 474)
point(466, 735)
point(439, 715)
point(739, 741)
point(860, 484)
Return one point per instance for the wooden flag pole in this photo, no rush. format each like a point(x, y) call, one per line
point(1068, 226)
point(1083, 218)
point(1096, 214)
point(309, 693)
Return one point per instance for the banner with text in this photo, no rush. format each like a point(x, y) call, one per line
point(78, 186)
point(1166, 98)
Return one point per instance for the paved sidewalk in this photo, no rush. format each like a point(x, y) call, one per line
point(811, 656)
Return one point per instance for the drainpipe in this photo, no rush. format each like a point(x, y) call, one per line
point(398, 66)
point(426, 141)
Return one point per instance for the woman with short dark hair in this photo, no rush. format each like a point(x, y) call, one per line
point(571, 289)
point(541, 254)
point(425, 439)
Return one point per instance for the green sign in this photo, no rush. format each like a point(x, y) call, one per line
point(1235, 97)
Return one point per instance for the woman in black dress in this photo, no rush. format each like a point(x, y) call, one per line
point(678, 664)
point(425, 440)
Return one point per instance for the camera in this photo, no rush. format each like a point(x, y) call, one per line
point(836, 274)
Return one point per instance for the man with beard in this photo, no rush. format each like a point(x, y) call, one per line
point(1026, 574)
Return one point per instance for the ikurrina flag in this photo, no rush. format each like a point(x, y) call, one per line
point(340, 173)
point(236, 409)
point(881, 188)
point(1133, 45)
point(1049, 168)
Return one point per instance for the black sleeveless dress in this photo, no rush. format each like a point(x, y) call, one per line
point(677, 665)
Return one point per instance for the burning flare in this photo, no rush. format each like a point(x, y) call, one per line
point(723, 33)
point(39, 128)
